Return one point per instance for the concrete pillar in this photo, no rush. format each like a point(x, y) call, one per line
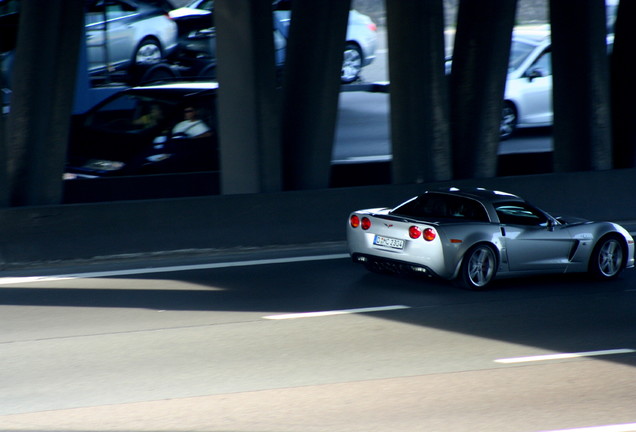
point(43, 83)
point(580, 66)
point(624, 87)
point(249, 103)
point(480, 64)
point(420, 126)
point(4, 177)
point(311, 87)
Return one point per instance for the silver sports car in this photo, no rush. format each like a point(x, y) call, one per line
point(473, 236)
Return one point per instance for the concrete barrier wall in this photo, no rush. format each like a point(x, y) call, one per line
point(86, 231)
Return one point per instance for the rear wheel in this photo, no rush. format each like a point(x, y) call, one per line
point(608, 258)
point(148, 53)
point(479, 268)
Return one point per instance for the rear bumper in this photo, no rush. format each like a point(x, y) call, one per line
point(382, 264)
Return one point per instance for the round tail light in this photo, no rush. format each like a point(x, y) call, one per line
point(429, 234)
point(354, 220)
point(366, 223)
point(415, 232)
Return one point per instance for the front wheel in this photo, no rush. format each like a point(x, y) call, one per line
point(508, 121)
point(351, 64)
point(608, 258)
point(479, 268)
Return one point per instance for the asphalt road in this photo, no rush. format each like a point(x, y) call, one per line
point(208, 344)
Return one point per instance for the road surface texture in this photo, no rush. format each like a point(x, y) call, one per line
point(306, 340)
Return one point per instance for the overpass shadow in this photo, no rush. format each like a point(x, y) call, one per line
point(564, 313)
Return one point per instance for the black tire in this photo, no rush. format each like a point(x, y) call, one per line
point(479, 268)
point(509, 120)
point(351, 63)
point(208, 71)
point(158, 72)
point(608, 258)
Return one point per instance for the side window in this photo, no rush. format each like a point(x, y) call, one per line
point(111, 9)
point(115, 9)
point(467, 209)
point(520, 214)
point(436, 206)
point(117, 114)
point(543, 64)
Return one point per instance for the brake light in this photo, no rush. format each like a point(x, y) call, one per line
point(429, 234)
point(372, 27)
point(365, 223)
point(354, 220)
point(415, 232)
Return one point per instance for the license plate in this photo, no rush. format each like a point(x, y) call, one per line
point(388, 242)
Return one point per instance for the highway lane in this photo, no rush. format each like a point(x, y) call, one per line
point(126, 348)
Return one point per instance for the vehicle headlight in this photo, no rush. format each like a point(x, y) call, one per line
point(104, 165)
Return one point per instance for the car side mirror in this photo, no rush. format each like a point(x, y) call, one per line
point(535, 73)
point(551, 224)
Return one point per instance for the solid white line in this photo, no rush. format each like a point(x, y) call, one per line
point(628, 427)
point(28, 279)
point(564, 356)
point(334, 312)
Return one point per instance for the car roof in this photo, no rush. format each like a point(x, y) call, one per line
point(480, 194)
point(175, 89)
point(535, 35)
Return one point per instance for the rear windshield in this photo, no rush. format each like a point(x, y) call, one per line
point(442, 206)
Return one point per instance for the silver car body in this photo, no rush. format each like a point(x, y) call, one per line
point(113, 42)
point(360, 44)
point(361, 33)
point(525, 240)
point(528, 92)
point(529, 81)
